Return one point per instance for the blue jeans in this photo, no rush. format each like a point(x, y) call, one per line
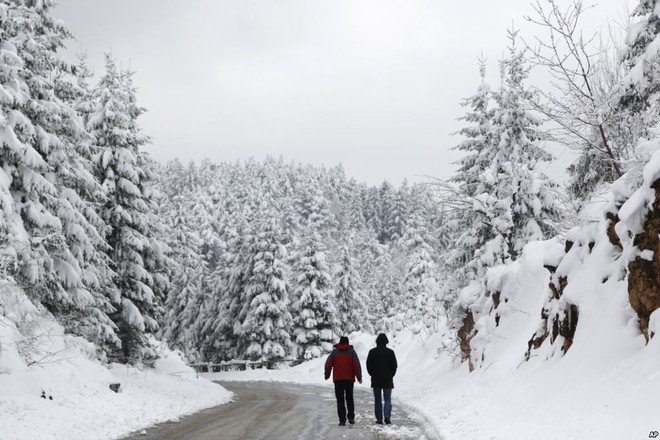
point(381, 394)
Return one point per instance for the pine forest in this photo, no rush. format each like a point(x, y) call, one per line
point(272, 260)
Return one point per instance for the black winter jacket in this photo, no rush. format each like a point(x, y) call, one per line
point(381, 366)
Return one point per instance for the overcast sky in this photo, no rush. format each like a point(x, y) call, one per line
point(372, 84)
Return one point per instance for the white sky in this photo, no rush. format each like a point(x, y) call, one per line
point(372, 84)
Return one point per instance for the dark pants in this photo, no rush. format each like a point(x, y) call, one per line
point(381, 394)
point(344, 395)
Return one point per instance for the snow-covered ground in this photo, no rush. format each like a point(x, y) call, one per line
point(570, 398)
point(580, 396)
point(78, 402)
point(606, 386)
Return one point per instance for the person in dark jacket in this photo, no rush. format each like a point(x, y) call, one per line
point(345, 367)
point(381, 366)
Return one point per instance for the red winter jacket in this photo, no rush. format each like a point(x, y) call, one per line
point(345, 364)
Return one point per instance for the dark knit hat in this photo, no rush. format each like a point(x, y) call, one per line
point(343, 340)
point(382, 339)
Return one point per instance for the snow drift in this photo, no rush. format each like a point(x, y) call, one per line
point(51, 386)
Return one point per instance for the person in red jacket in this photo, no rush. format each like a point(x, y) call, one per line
point(345, 367)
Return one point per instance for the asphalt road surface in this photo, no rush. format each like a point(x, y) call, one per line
point(276, 411)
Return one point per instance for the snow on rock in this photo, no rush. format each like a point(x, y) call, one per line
point(508, 314)
point(639, 231)
point(592, 375)
point(51, 388)
point(633, 212)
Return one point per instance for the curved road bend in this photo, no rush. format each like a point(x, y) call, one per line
point(277, 411)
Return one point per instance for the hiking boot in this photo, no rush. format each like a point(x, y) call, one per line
point(387, 421)
point(379, 421)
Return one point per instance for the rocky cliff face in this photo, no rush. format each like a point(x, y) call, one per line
point(644, 270)
point(542, 295)
point(596, 281)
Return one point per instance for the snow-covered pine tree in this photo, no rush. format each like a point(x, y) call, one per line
point(220, 312)
point(642, 58)
point(384, 287)
point(125, 174)
point(399, 213)
point(477, 137)
point(420, 285)
point(468, 225)
point(238, 277)
point(84, 230)
point(351, 307)
point(372, 214)
point(535, 214)
point(314, 208)
point(188, 276)
point(189, 305)
point(45, 160)
point(155, 256)
point(207, 214)
point(355, 215)
point(12, 124)
point(502, 201)
point(639, 88)
point(375, 267)
point(386, 197)
point(267, 327)
point(313, 309)
point(590, 169)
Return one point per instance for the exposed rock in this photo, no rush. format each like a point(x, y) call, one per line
point(611, 233)
point(644, 274)
point(465, 335)
point(496, 299)
point(539, 337)
point(557, 290)
point(568, 325)
point(555, 329)
point(536, 341)
point(562, 324)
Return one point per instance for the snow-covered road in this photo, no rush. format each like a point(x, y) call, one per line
point(269, 410)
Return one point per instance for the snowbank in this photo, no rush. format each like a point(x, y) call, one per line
point(605, 387)
point(37, 359)
point(597, 379)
